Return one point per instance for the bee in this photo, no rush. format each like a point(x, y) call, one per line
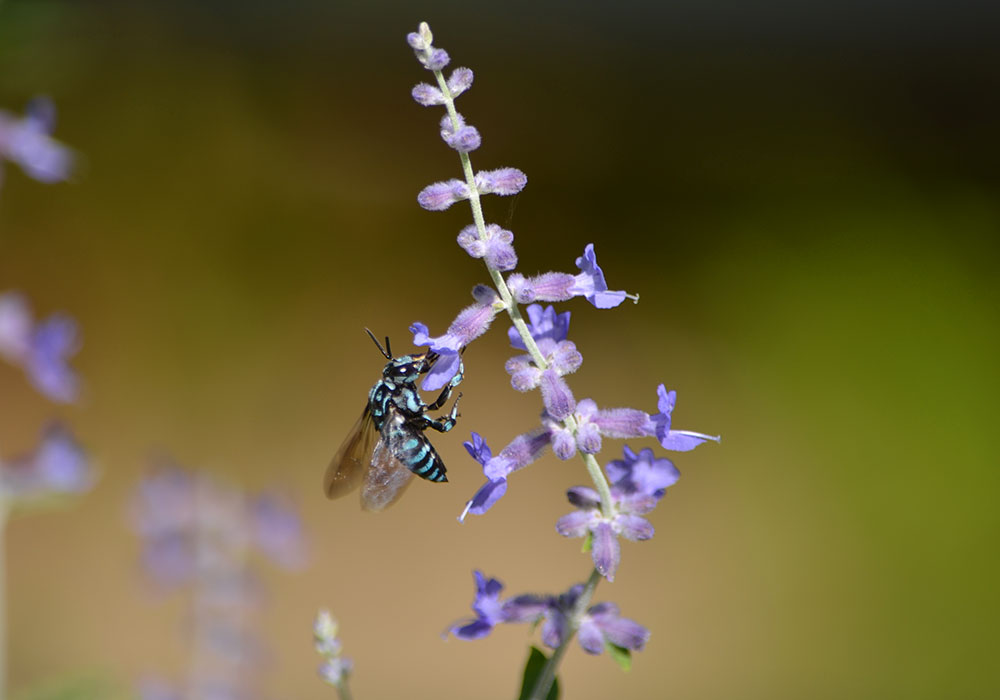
point(387, 445)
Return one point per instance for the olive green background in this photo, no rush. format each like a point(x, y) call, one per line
point(804, 195)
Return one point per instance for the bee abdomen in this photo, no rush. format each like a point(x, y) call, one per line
point(418, 454)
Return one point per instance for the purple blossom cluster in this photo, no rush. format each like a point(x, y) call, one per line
point(41, 348)
point(627, 489)
point(27, 141)
point(596, 627)
point(336, 668)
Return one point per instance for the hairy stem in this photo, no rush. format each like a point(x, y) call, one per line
point(593, 468)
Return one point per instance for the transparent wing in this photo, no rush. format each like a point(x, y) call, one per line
point(352, 459)
point(386, 478)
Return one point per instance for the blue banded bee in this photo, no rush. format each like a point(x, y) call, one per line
point(388, 445)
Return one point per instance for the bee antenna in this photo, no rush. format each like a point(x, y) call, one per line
point(379, 345)
point(388, 351)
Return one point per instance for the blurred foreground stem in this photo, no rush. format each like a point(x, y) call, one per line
point(548, 675)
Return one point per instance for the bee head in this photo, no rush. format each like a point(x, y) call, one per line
point(408, 368)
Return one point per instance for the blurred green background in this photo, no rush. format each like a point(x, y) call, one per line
point(804, 194)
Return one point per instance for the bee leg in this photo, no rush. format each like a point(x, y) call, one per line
point(446, 392)
point(444, 424)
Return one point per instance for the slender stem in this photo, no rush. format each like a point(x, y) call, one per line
point(593, 468)
point(344, 688)
point(548, 675)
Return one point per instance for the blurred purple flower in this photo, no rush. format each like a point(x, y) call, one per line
point(278, 530)
point(26, 141)
point(57, 466)
point(42, 350)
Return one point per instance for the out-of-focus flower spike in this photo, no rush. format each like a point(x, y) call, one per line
point(441, 195)
point(427, 95)
point(504, 181)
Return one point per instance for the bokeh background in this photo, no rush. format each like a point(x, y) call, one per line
point(804, 195)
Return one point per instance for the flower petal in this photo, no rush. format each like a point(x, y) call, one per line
point(606, 551)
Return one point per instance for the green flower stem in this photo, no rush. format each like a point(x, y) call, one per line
point(548, 675)
point(593, 468)
point(343, 688)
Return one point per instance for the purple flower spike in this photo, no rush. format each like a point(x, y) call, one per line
point(441, 195)
point(459, 81)
point(427, 95)
point(659, 425)
point(488, 609)
point(505, 181)
point(53, 341)
point(590, 283)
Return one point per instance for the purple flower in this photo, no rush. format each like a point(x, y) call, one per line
point(441, 195)
point(546, 327)
point(57, 466)
point(495, 246)
point(488, 609)
point(602, 624)
point(461, 137)
point(522, 451)
point(52, 343)
point(592, 424)
point(26, 141)
point(504, 181)
point(638, 482)
point(427, 95)
point(471, 322)
point(659, 425)
point(42, 350)
point(278, 530)
point(562, 286)
point(459, 81)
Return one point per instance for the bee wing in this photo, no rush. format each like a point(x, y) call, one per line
point(386, 478)
point(349, 464)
